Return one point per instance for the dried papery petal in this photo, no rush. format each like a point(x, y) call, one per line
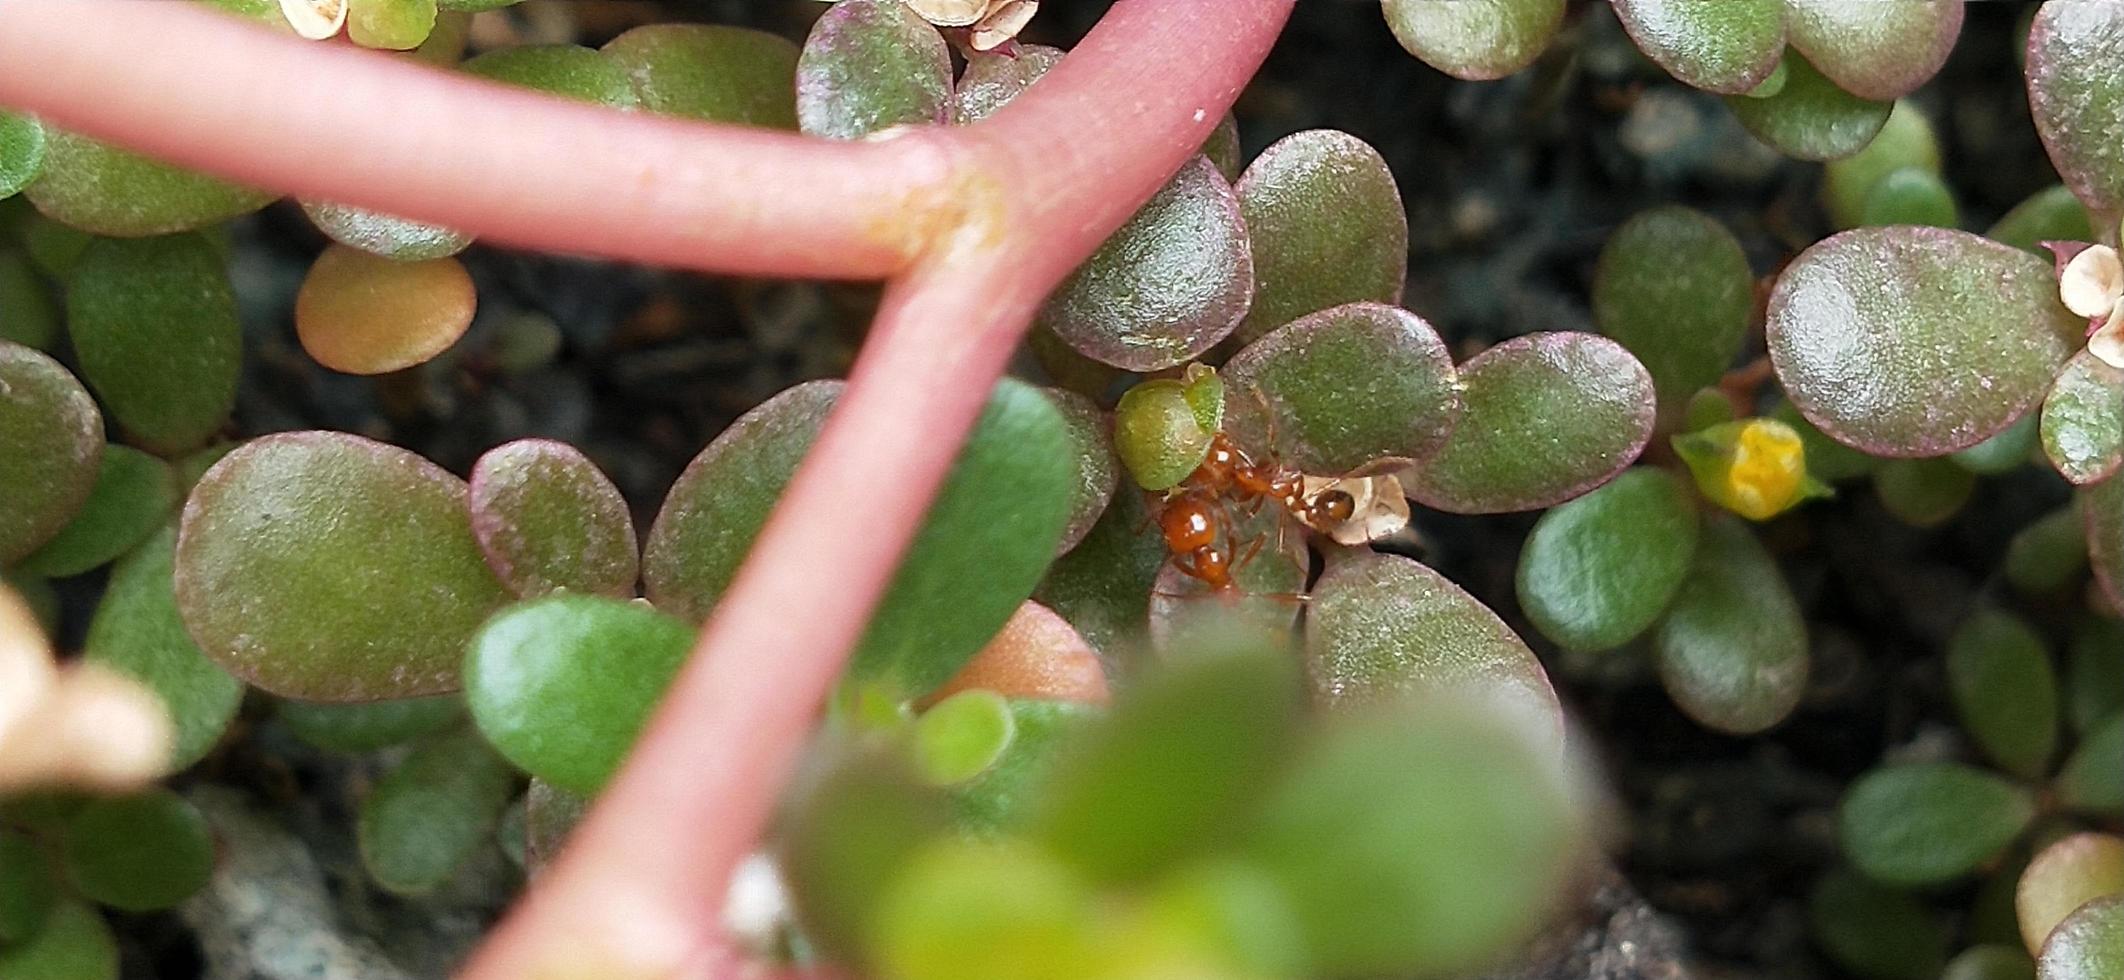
point(95, 729)
point(315, 19)
point(1378, 507)
point(2092, 281)
point(2107, 340)
point(950, 13)
point(1002, 24)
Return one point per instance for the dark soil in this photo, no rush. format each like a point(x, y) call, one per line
point(1511, 187)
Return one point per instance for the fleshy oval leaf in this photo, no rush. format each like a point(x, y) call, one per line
point(2048, 215)
point(980, 551)
point(99, 188)
point(1674, 287)
point(1810, 118)
point(21, 152)
point(562, 684)
point(1729, 47)
point(431, 811)
point(1923, 492)
point(1905, 141)
point(1597, 571)
point(1326, 225)
point(142, 852)
point(135, 493)
point(390, 25)
point(75, 944)
point(2091, 781)
point(154, 324)
point(52, 437)
point(2088, 945)
point(2102, 513)
point(567, 70)
point(365, 726)
point(2005, 691)
point(2062, 877)
point(402, 239)
point(1875, 931)
point(326, 566)
point(1929, 822)
point(1165, 287)
point(1475, 40)
point(711, 72)
point(547, 519)
point(991, 80)
point(28, 888)
point(1875, 50)
point(2077, 96)
point(1103, 585)
point(1907, 341)
point(363, 314)
point(137, 631)
point(2083, 420)
point(1382, 627)
point(1733, 647)
point(1549, 416)
point(1091, 442)
point(869, 65)
point(1344, 387)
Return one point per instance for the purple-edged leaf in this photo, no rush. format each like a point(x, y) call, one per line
point(154, 324)
point(1475, 39)
point(393, 238)
point(1549, 416)
point(1345, 386)
point(2077, 95)
point(326, 566)
point(99, 188)
point(1733, 648)
point(2088, 945)
point(135, 493)
point(711, 72)
point(1091, 442)
point(2083, 420)
point(1674, 287)
point(1168, 285)
point(1728, 47)
point(1382, 626)
point(869, 65)
point(547, 518)
point(1327, 227)
point(1810, 118)
point(1875, 50)
point(991, 80)
point(52, 438)
point(1908, 341)
point(2064, 876)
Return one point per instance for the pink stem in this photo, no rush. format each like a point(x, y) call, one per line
point(992, 216)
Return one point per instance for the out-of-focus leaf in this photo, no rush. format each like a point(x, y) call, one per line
point(154, 324)
point(74, 945)
point(142, 852)
point(1990, 962)
point(1475, 39)
point(137, 631)
point(547, 519)
point(2077, 96)
point(976, 909)
point(1549, 416)
point(550, 814)
point(1729, 47)
point(1810, 117)
point(2092, 779)
point(2048, 215)
point(1597, 571)
point(432, 811)
point(711, 72)
point(961, 737)
point(1327, 227)
point(1923, 492)
point(853, 826)
point(868, 65)
point(326, 566)
point(28, 891)
point(1733, 648)
point(2083, 420)
point(1929, 822)
point(2094, 686)
point(2064, 876)
point(1910, 196)
point(1674, 287)
point(2003, 453)
point(1916, 341)
point(2101, 508)
point(1036, 655)
point(102, 189)
point(1011, 789)
point(134, 494)
point(1874, 931)
point(365, 726)
point(2005, 691)
point(28, 316)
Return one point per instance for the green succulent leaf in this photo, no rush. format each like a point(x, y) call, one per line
point(392, 25)
point(2077, 96)
point(1103, 585)
point(1597, 571)
point(1168, 285)
point(1549, 416)
point(2088, 945)
point(991, 80)
point(1729, 47)
point(138, 631)
point(2048, 215)
point(101, 189)
point(1327, 227)
point(1910, 196)
point(850, 833)
point(566, 70)
point(135, 493)
point(28, 316)
point(1161, 432)
point(2102, 513)
point(1875, 50)
point(430, 812)
point(1098, 469)
point(1810, 117)
point(28, 890)
point(2005, 691)
point(1923, 492)
point(1009, 791)
point(1385, 819)
point(1344, 387)
point(1383, 628)
point(2064, 876)
point(154, 323)
point(1931, 822)
point(548, 519)
point(2083, 420)
point(322, 565)
point(53, 247)
point(52, 437)
point(1475, 39)
point(1916, 341)
point(2092, 780)
point(1875, 931)
point(711, 72)
point(964, 908)
point(74, 945)
point(21, 152)
point(563, 684)
point(365, 726)
point(392, 237)
point(2094, 684)
point(1990, 962)
point(987, 539)
point(1906, 141)
point(1675, 289)
point(1733, 648)
point(2003, 453)
point(142, 852)
point(868, 65)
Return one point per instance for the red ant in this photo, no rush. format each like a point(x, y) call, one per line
point(1190, 519)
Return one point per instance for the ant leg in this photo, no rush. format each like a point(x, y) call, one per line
point(1251, 548)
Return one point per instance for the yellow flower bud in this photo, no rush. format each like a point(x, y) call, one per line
point(1756, 467)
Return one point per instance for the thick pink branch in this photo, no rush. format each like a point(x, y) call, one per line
point(182, 83)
